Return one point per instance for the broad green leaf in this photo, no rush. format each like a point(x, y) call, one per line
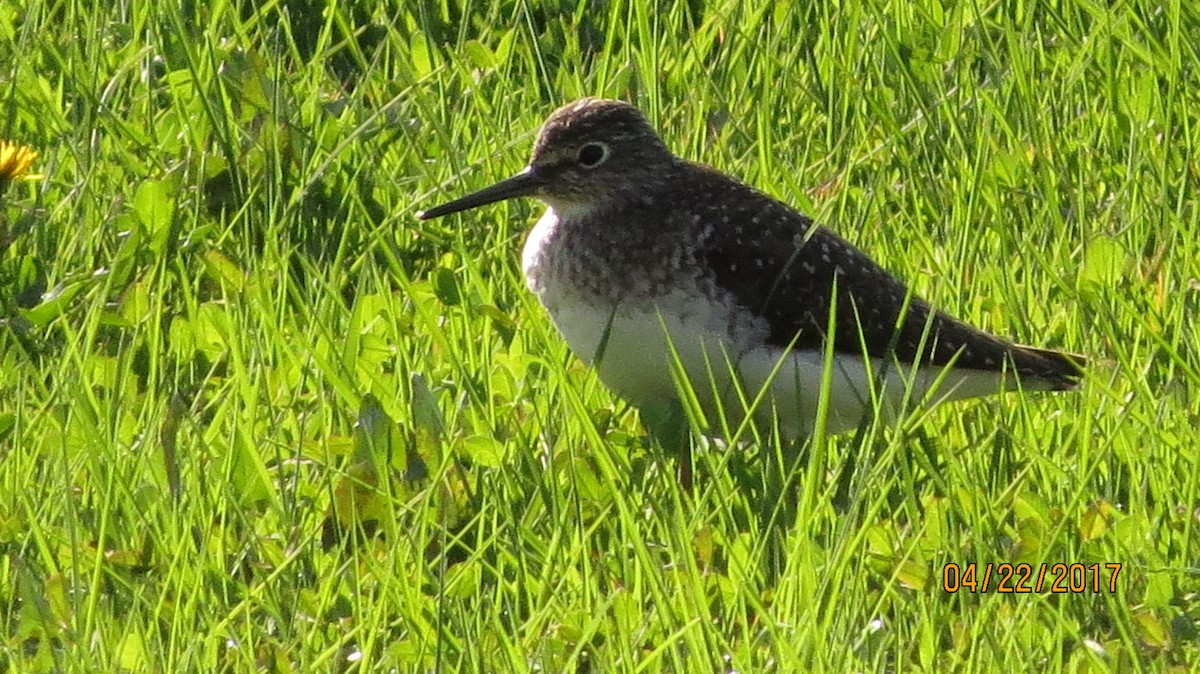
point(154, 204)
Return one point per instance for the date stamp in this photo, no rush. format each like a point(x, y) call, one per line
point(1005, 578)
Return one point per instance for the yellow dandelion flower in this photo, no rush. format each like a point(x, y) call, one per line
point(15, 160)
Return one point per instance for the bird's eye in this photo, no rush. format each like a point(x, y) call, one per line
point(592, 154)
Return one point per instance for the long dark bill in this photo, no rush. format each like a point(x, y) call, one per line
point(523, 184)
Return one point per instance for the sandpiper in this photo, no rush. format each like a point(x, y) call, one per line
point(648, 264)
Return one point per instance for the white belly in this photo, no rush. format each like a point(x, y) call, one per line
point(645, 351)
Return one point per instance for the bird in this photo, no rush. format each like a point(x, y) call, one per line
point(675, 280)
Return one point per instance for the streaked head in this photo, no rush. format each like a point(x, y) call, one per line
point(588, 152)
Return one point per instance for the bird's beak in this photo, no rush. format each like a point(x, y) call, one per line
point(524, 184)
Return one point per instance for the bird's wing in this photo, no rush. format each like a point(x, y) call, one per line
point(781, 267)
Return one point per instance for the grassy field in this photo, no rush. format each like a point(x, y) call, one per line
point(255, 416)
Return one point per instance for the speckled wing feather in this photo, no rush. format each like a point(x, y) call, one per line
point(780, 266)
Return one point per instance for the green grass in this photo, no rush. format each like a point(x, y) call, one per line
point(225, 338)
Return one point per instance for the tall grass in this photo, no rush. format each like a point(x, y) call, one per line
point(256, 416)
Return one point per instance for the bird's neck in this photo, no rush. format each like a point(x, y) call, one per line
point(568, 212)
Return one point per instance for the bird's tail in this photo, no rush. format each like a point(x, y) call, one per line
point(1060, 370)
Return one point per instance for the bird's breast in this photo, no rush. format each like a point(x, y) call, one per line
point(538, 251)
point(630, 318)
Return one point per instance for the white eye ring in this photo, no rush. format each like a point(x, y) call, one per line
point(593, 154)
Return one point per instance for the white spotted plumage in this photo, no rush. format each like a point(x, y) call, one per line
point(644, 260)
